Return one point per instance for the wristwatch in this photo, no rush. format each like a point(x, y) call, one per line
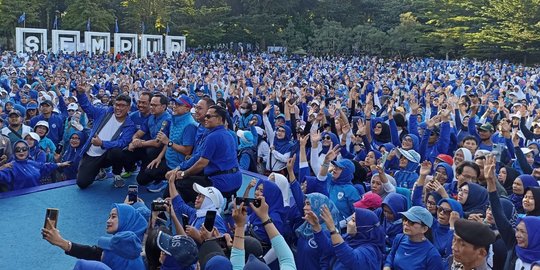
point(170, 144)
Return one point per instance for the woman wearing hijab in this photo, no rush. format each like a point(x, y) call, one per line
point(121, 251)
point(523, 243)
point(274, 199)
point(392, 223)
point(328, 140)
point(339, 182)
point(462, 154)
point(36, 153)
point(531, 201)
point(363, 245)
point(72, 153)
point(309, 255)
point(521, 183)
point(247, 153)
point(280, 150)
point(441, 232)
point(473, 198)
point(208, 199)
point(406, 176)
point(507, 175)
point(22, 172)
point(379, 134)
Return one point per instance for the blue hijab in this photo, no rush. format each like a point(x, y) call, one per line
point(406, 177)
point(397, 203)
point(74, 155)
point(416, 141)
point(276, 210)
point(284, 145)
point(532, 252)
point(347, 172)
point(129, 220)
point(316, 201)
point(478, 202)
point(442, 235)
point(449, 171)
point(368, 230)
point(333, 138)
point(527, 181)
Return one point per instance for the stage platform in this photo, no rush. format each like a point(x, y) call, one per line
point(82, 218)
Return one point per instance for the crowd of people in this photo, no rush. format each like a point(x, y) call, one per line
point(367, 163)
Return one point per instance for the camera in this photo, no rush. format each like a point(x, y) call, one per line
point(246, 201)
point(159, 205)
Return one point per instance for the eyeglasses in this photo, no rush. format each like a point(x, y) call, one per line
point(75, 138)
point(443, 210)
point(21, 149)
point(208, 116)
point(406, 220)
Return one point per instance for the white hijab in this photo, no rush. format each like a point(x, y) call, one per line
point(283, 184)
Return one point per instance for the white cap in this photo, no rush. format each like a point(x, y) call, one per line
point(42, 123)
point(34, 136)
point(73, 106)
point(210, 192)
point(526, 150)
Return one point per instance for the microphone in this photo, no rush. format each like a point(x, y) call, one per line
point(162, 128)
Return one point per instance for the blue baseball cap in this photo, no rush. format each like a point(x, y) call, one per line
point(182, 248)
point(420, 215)
point(184, 100)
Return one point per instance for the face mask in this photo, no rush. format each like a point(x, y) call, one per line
point(243, 111)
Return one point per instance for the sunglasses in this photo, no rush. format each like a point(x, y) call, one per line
point(443, 210)
point(327, 138)
point(406, 220)
point(21, 149)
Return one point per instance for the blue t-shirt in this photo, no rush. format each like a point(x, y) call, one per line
point(140, 120)
point(408, 255)
point(220, 148)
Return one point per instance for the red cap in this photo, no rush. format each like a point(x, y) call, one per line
point(446, 159)
point(369, 201)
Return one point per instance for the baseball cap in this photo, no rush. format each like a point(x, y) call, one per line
point(446, 159)
point(42, 123)
point(34, 136)
point(72, 106)
point(487, 127)
point(184, 100)
point(14, 112)
point(125, 244)
point(343, 164)
point(244, 135)
point(526, 150)
point(31, 106)
point(419, 214)
point(410, 155)
point(46, 102)
point(181, 247)
point(210, 192)
point(369, 201)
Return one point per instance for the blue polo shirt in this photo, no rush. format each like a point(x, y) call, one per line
point(220, 148)
point(140, 120)
point(154, 124)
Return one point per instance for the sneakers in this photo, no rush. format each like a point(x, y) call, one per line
point(101, 175)
point(126, 174)
point(118, 181)
point(157, 187)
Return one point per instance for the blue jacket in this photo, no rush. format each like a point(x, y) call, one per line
point(56, 123)
point(182, 132)
point(180, 207)
point(100, 116)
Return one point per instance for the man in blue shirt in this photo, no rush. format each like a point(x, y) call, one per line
point(56, 121)
point(219, 156)
point(139, 117)
point(148, 150)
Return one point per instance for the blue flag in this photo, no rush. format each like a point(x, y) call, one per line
point(116, 25)
point(55, 23)
point(142, 27)
point(88, 25)
point(22, 18)
point(167, 30)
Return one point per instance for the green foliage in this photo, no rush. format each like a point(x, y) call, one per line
point(439, 28)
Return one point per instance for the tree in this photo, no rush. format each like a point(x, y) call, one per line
point(79, 11)
point(11, 10)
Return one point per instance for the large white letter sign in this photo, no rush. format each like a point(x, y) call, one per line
point(30, 40)
point(97, 42)
point(66, 41)
point(151, 44)
point(126, 43)
point(175, 44)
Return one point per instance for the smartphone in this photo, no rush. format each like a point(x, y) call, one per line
point(52, 215)
point(133, 193)
point(209, 220)
point(59, 148)
point(246, 201)
point(497, 152)
point(185, 220)
point(222, 242)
